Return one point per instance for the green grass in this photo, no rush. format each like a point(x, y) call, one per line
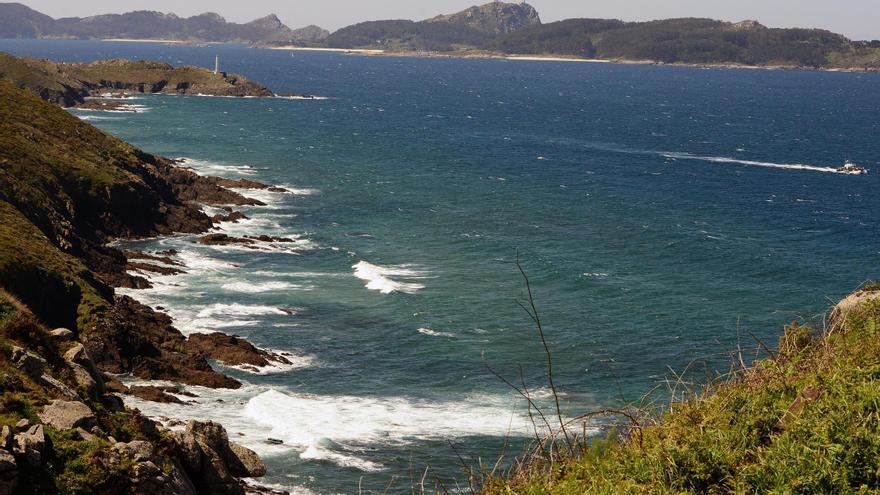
point(804, 421)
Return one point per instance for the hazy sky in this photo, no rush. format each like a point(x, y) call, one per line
point(858, 19)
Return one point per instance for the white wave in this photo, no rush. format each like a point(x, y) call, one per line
point(96, 117)
point(299, 191)
point(265, 273)
point(316, 452)
point(304, 419)
point(214, 168)
point(195, 260)
point(723, 159)
point(595, 275)
point(236, 309)
point(379, 277)
point(119, 109)
point(257, 288)
point(300, 97)
point(434, 333)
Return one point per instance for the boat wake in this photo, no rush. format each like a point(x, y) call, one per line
point(753, 163)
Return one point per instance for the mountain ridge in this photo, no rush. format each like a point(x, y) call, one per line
point(19, 21)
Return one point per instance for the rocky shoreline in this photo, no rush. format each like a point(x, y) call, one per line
point(67, 191)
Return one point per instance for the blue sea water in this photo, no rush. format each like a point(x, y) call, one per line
point(663, 215)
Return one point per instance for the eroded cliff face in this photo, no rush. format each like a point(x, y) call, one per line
point(66, 189)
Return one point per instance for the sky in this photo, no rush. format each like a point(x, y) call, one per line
point(857, 19)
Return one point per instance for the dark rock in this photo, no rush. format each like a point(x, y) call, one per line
point(232, 217)
point(277, 189)
point(8, 473)
point(135, 339)
point(154, 394)
point(267, 238)
point(237, 183)
point(211, 461)
point(67, 415)
point(232, 350)
point(113, 402)
point(274, 441)
point(22, 425)
point(223, 240)
point(152, 268)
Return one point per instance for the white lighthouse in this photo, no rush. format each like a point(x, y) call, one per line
point(216, 64)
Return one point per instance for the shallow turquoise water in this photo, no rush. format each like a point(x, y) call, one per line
point(659, 212)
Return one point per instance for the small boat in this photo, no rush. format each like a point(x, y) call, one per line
point(851, 168)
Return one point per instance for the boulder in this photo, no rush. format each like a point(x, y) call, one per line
point(245, 463)
point(29, 363)
point(6, 438)
point(22, 425)
point(62, 334)
point(84, 380)
point(59, 386)
point(113, 402)
point(30, 444)
point(212, 462)
point(67, 415)
point(137, 450)
point(8, 473)
point(154, 394)
point(77, 355)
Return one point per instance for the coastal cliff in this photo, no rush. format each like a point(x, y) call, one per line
point(66, 190)
point(70, 84)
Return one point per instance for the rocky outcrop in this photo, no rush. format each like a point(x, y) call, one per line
point(232, 350)
point(496, 18)
point(133, 338)
point(214, 463)
point(67, 415)
point(29, 444)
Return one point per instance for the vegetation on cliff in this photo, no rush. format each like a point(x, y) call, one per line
point(804, 420)
point(66, 190)
point(695, 41)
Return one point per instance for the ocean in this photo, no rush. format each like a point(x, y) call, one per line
point(665, 216)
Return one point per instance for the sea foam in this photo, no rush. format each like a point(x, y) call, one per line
point(380, 277)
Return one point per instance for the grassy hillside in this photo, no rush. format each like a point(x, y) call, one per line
point(805, 420)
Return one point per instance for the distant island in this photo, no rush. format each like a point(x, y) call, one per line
point(495, 29)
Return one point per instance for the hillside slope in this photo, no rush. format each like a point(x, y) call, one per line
point(66, 190)
point(694, 41)
point(805, 420)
